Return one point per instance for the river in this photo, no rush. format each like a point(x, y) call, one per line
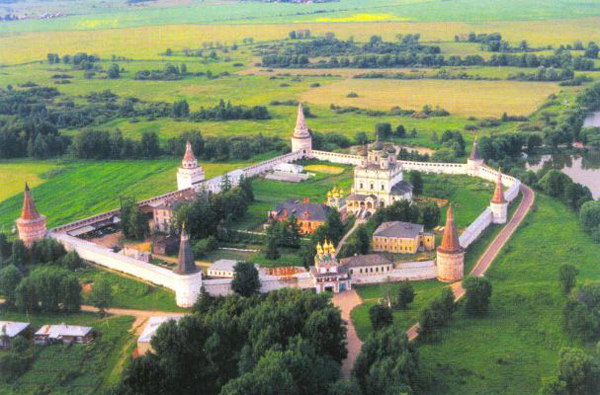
point(592, 120)
point(582, 168)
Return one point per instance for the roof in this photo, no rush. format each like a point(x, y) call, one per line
point(499, 191)
point(224, 265)
point(301, 130)
point(185, 263)
point(189, 153)
point(29, 210)
point(450, 241)
point(317, 211)
point(378, 146)
point(152, 326)
point(342, 270)
point(360, 197)
point(12, 328)
point(401, 188)
point(399, 229)
point(57, 331)
point(366, 260)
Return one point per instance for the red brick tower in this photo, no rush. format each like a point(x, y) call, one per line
point(31, 224)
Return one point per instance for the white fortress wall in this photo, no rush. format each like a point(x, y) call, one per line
point(433, 167)
point(335, 157)
point(218, 287)
point(476, 228)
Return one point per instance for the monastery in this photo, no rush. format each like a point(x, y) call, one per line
point(378, 182)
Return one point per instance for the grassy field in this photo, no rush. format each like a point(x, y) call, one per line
point(81, 369)
point(129, 293)
point(520, 340)
point(79, 189)
point(14, 174)
point(467, 98)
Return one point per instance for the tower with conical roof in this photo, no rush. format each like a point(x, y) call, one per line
point(31, 224)
point(186, 263)
point(450, 256)
point(301, 139)
point(498, 204)
point(475, 160)
point(189, 173)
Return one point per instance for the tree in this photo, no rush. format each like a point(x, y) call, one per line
point(114, 71)
point(400, 131)
point(383, 130)
point(361, 138)
point(272, 251)
point(405, 295)
point(589, 216)
point(19, 256)
point(183, 68)
point(245, 279)
point(579, 374)
point(5, 247)
point(344, 387)
point(10, 277)
point(567, 276)
point(101, 295)
point(417, 182)
point(380, 316)
point(72, 260)
point(478, 291)
point(430, 215)
point(181, 109)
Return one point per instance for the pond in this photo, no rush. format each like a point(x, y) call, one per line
point(592, 120)
point(582, 168)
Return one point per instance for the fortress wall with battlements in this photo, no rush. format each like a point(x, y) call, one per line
point(335, 157)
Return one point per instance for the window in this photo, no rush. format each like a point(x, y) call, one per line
point(382, 187)
point(372, 187)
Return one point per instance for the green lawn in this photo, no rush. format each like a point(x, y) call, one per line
point(512, 349)
point(77, 189)
point(469, 195)
point(129, 293)
point(269, 194)
point(79, 369)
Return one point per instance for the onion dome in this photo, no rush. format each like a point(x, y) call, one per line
point(301, 130)
point(378, 146)
point(29, 211)
point(384, 155)
point(450, 241)
point(391, 149)
point(499, 191)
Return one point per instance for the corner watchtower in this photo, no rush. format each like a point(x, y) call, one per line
point(189, 173)
point(31, 224)
point(301, 139)
point(450, 256)
point(498, 204)
point(475, 161)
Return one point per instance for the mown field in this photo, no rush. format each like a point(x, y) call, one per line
point(77, 189)
point(467, 98)
point(511, 350)
point(80, 369)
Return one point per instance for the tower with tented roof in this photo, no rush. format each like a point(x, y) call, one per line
point(475, 161)
point(450, 256)
point(189, 174)
point(498, 204)
point(301, 139)
point(31, 224)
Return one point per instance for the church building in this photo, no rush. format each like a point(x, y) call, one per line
point(378, 181)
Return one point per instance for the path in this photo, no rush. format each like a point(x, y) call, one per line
point(492, 250)
point(346, 301)
point(141, 316)
point(357, 222)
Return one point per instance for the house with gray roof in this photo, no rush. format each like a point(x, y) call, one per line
point(10, 330)
point(309, 215)
point(63, 333)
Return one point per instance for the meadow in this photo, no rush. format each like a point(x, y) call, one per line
point(81, 369)
point(467, 98)
point(78, 189)
point(521, 337)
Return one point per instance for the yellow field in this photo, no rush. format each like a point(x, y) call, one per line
point(324, 169)
point(14, 174)
point(148, 42)
point(477, 98)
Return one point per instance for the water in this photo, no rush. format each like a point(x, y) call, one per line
point(592, 120)
point(583, 168)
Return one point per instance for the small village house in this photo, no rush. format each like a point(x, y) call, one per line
point(9, 330)
point(143, 342)
point(65, 334)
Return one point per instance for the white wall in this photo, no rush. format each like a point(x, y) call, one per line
point(336, 157)
point(476, 228)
